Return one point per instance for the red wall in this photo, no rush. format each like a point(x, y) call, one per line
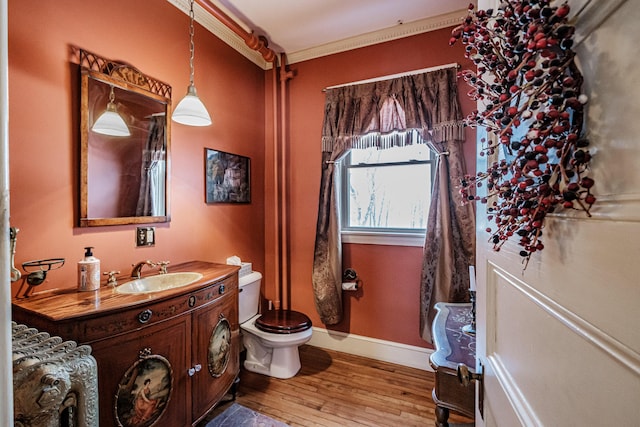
point(153, 36)
point(388, 306)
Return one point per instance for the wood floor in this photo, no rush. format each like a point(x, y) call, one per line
point(338, 389)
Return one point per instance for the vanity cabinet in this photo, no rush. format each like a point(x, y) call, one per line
point(116, 356)
point(168, 356)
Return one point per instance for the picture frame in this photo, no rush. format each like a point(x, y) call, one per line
point(227, 177)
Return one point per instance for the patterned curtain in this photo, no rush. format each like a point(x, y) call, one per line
point(379, 114)
point(449, 247)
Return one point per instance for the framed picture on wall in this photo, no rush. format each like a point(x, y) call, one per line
point(227, 177)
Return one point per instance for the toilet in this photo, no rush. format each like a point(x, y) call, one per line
point(272, 338)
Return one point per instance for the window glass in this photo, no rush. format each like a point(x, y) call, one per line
point(387, 190)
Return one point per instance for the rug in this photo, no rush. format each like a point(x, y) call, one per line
point(238, 416)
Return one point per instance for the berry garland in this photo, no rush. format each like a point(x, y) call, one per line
point(530, 90)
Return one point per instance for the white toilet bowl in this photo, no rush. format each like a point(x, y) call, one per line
point(272, 339)
point(271, 354)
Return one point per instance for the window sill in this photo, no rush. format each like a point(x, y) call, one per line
point(379, 238)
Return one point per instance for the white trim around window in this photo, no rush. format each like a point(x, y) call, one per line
point(382, 238)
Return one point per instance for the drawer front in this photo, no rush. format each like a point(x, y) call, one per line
point(449, 393)
point(98, 328)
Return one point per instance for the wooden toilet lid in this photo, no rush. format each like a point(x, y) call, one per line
point(283, 322)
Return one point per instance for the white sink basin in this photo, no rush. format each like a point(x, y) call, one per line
point(160, 282)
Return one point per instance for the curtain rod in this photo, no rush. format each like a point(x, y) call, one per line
point(393, 76)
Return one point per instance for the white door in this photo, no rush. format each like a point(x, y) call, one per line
point(560, 342)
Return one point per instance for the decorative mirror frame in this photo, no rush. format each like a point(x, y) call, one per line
point(125, 77)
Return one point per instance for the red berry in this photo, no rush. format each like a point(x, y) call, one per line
point(586, 182)
point(558, 129)
point(541, 44)
point(563, 11)
point(540, 149)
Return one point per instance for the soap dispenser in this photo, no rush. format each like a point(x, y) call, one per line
point(88, 271)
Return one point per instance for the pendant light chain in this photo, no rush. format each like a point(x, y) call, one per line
point(191, 111)
point(192, 47)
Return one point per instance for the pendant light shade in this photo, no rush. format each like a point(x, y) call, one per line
point(110, 122)
point(191, 111)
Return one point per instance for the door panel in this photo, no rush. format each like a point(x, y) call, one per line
point(559, 342)
point(549, 362)
point(118, 355)
point(211, 346)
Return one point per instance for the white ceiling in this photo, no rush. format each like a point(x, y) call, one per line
point(296, 25)
point(306, 29)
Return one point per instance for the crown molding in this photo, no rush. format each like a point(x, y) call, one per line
point(368, 39)
point(222, 32)
point(381, 36)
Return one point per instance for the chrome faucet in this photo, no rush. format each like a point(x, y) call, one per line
point(137, 268)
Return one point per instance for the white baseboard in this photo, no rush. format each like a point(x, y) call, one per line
point(386, 351)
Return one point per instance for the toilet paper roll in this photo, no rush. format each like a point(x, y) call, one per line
point(350, 286)
point(234, 260)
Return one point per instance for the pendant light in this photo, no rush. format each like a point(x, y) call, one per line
point(110, 122)
point(191, 111)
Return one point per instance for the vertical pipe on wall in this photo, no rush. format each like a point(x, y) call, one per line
point(6, 379)
point(276, 207)
point(284, 199)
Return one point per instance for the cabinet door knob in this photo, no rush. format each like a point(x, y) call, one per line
point(145, 316)
point(196, 368)
point(221, 289)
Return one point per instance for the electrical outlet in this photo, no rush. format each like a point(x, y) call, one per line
point(145, 236)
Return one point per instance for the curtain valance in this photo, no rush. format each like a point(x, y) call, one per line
point(358, 116)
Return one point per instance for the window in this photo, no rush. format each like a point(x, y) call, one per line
point(386, 193)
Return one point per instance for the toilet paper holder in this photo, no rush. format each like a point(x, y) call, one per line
point(350, 281)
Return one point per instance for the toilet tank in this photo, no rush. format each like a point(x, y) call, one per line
point(249, 296)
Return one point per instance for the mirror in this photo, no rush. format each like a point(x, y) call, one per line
point(123, 179)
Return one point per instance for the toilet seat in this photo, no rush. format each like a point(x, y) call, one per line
point(283, 322)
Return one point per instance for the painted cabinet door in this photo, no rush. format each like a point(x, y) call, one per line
point(559, 342)
point(142, 375)
point(215, 354)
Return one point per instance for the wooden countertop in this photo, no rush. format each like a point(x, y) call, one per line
point(69, 303)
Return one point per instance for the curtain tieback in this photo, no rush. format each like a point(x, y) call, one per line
point(444, 153)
